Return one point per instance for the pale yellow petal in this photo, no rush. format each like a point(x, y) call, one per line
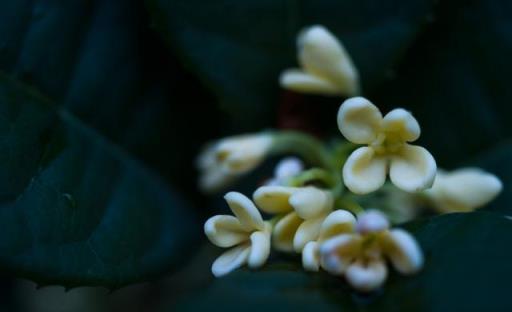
point(367, 275)
point(338, 252)
point(308, 231)
point(231, 260)
point(245, 211)
point(403, 251)
point(337, 222)
point(364, 172)
point(310, 202)
point(359, 120)
point(464, 189)
point(284, 232)
point(414, 169)
point(274, 199)
point(299, 81)
point(260, 247)
point(311, 257)
point(322, 55)
point(401, 125)
point(215, 179)
point(225, 231)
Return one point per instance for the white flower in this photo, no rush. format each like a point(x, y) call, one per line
point(304, 210)
point(247, 233)
point(231, 157)
point(337, 222)
point(326, 66)
point(411, 168)
point(285, 169)
point(462, 190)
point(361, 256)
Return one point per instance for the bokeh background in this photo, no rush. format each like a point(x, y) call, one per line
point(148, 83)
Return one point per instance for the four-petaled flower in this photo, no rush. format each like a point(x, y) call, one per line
point(411, 168)
point(304, 210)
point(247, 233)
point(361, 256)
point(463, 190)
point(326, 66)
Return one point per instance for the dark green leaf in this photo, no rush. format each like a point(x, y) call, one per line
point(455, 79)
point(75, 209)
point(238, 48)
point(467, 268)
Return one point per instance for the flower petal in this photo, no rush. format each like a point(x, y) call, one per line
point(401, 125)
point(371, 221)
point(260, 247)
point(274, 199)
point(308, 231)
point(299, 81)
point(414, 169)
point(322, 55)
point(364, 172)
point(231, 260)
point(464, 189)
point(367, 275)
point(403, 251)
point(338, 252)
point(245, 211)
point(311, 257)
point(359, 120)
point(310, 202)
point(215, 179)
point(337, 222)
point(284, 232)
point(288, 167)
point(225, 231)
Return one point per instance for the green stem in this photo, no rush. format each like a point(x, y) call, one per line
point(315, 174)
point(349, 205)
point(306, 146)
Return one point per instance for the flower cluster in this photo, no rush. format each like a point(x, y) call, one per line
point(318, 200)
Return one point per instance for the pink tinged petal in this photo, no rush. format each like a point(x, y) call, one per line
point(284, 232)
point(308, 231)
point(299, 81)
point(260, 248)
point(245, 211)
point(337, 222)
point(359, 120)
point(367, 275)
point(231, 260)
point(225, 231)
point(274, 199)
point(310, 202)
point(364, 172)
point(338, 252)
point(413, 170)
point(401, 125)
point(403, 251)
point(372, 221)
point(311, 257)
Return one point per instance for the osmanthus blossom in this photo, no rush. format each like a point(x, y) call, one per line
point(463, 190)
point(246, 234)
point(231, 157)
point(326, 67)
point(360, 256)
point(304, 210)
point(411, 168)
point(286, 168)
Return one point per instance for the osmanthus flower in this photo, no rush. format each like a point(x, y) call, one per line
point(304, 210)
point(361, 256)
point(327, 68)
point(463, 190)
point(337, 222)
point(411, 168)
point(223, 161)
point(246, 233)
point(286, 168)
